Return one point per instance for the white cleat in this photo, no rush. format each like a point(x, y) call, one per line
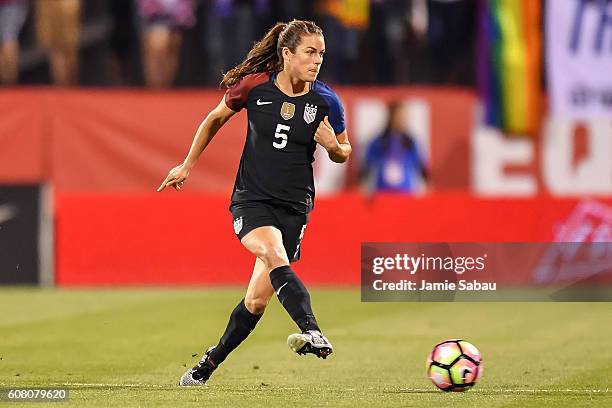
point(199, 374)
point(311, 341)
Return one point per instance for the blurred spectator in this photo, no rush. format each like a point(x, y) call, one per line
point(58, 25)
point(12, 16)
point(386, 36)
point(163, 23)
point(394, 157)
point(231, 28)
point(123, 40)
point(342, 21)
point(368, 41)
point(450, 36)
point(283, 10)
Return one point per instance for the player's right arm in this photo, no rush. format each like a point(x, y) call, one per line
point(205, 133)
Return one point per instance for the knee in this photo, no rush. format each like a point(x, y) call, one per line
point(256, 305)
point(273, 256)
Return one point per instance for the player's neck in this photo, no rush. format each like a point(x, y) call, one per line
point(291, 86)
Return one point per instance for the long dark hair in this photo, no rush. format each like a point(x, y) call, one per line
point(266, 55)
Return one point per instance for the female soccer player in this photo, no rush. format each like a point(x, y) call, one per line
point(289, 112)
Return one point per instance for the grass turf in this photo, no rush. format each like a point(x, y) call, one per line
point(118, 348)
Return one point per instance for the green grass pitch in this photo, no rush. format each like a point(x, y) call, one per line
point(125, 348)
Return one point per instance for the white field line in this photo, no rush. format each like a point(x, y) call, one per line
point(474, 390)
point(521, 390)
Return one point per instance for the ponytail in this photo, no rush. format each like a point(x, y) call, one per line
point(266, 55)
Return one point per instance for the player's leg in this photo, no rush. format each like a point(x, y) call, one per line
point(242, 321)
point(309, 341)
point(268, 244)
point(246, 314)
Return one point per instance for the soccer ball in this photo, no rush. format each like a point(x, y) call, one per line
point(454, 365)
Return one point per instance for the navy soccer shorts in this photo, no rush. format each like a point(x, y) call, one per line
point(254, 214)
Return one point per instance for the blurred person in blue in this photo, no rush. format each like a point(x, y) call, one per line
point(12, 16)
point(163, 23)
point(394, 157)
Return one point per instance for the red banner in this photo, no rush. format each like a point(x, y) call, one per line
point(179, 238)
point(125, 140)
point(110, 140)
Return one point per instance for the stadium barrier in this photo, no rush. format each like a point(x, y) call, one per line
point(105, 151)
point(125, 140)
point(183, 238)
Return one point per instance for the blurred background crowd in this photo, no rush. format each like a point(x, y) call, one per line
point(190, 43)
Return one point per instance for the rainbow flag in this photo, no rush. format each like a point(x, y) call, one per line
point(509, 59)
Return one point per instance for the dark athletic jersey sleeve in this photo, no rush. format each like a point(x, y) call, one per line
point(236, 96)
point(336, 110)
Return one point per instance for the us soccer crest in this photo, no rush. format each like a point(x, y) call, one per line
point(238, 225)
point(287, 110)
point(310, 112)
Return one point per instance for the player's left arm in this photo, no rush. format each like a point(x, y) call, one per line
point(338, 146)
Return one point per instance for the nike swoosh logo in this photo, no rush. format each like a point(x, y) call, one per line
point(279, 289)
point(260, 102)
point(7, 212)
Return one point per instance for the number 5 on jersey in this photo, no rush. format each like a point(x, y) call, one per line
point(280, 128)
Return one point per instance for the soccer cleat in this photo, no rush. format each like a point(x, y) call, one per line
point(200, 373)
point(311, 341)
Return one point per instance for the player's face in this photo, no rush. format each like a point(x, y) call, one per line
point(306, 62)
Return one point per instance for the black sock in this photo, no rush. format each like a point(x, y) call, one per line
point(240, 325)
point(294, 297)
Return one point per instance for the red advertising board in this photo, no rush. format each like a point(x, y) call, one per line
point(182, 238)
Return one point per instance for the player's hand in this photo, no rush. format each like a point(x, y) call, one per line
point(176, 177)
point(325, 135)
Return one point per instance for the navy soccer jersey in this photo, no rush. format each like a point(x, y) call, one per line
point(276, 163)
